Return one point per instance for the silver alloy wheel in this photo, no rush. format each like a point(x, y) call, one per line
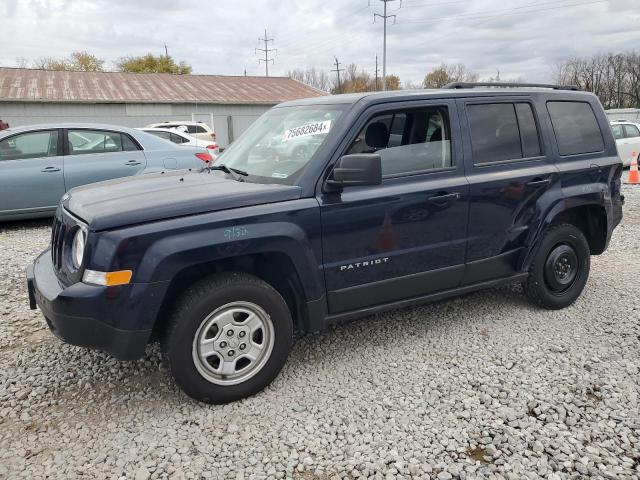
point(233, 343)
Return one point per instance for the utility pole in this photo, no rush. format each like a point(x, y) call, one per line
point(338, 70)
point(166, 51)
point(376, 72)
point(266, 51)
point(384, 41)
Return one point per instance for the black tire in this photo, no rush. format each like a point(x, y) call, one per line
point(560, 268)
point(195, 305)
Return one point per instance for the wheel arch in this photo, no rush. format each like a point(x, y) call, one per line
point(274, 267)
point(589, 218)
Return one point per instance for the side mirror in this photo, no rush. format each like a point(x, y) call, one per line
point(357, 169)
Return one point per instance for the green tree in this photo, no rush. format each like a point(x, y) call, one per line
point(85, 62)
point(151, 63)
point(393, 82)
point(80, 61)
point(440, 76)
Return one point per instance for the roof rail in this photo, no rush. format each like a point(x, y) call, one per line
point(457, 85)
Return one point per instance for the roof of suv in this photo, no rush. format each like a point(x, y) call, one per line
point(377, 97)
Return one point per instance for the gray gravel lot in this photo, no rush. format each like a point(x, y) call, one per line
point(483, 386)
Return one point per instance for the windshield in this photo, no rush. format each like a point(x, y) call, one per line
point(278, 146)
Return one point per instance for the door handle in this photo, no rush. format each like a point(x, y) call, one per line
point(539, 182)
point(445, 198)
point(132, 163)
point(50, 169)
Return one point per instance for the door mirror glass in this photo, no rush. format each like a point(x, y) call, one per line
point(357, 169)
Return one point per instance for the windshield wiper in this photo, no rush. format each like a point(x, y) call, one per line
point(236, 173)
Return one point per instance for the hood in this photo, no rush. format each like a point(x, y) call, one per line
point(145, 198)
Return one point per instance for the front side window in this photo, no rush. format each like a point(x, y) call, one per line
point(576, 128)
point(81, 142)
point(502, 131)
point(631, 131)
point(408, 141)
point(278, 146)
point(30, 145)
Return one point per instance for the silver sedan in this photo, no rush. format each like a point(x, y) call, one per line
point(39, 163)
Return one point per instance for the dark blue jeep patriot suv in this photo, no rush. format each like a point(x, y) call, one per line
point(329, 209)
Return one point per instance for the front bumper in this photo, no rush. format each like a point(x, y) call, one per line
point(117, 320)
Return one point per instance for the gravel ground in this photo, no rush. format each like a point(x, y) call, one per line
point(483, 386)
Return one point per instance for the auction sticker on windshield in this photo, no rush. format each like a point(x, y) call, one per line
point(317, 128)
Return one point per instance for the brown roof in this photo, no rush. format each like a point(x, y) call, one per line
point(22, 84)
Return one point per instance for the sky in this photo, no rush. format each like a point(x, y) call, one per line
point(518, 38)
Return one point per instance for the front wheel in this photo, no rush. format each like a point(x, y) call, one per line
point(228, 337)
point(560, 268)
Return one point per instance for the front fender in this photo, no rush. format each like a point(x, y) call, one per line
point(158, 251)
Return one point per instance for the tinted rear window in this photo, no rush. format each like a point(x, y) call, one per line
point(502, 131)
point(494, 132)
point(631, 131)
point(575, 127)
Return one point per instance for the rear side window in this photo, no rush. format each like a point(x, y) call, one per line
point(164, 135)
point(631, 131)
point(618, 132)
point(502, 131)
point(197, 129)
point(81, 142)
point(177, 138)
point(575, 127)
point(128, 145)
point(29, 145)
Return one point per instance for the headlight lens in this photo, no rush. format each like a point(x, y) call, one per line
point(77, 247)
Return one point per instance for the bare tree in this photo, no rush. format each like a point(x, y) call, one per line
point(313, 77)
point(614, 78)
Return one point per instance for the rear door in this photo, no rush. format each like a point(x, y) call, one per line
point(508, 171)
point(97, 155)
point(31, 172)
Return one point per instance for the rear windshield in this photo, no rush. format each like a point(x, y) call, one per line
point(575, 127)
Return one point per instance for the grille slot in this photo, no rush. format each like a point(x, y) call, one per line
point(57, 242)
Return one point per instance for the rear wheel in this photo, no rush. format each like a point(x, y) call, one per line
point(560, 268)
point(228, 337)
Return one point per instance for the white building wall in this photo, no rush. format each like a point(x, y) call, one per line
point(134, 115)
point(627, 114)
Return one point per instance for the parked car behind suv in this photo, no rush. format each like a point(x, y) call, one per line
point(401, 198)
point(39, 163)
point(182, 139)
point(198, 130)
point(627, 135)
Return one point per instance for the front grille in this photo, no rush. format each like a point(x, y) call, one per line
point(57, 241)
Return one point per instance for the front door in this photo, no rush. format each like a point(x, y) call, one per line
point(406, 237)
point(508, 171)
point(97, 155)
point(31, 176)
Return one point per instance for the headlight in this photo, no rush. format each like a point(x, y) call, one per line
point(77, 247)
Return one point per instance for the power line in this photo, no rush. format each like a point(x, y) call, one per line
point(266, 51)
point(338, 70)
point(384, 40)
point(506, 12)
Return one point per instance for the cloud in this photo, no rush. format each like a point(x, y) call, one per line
point(526, 38)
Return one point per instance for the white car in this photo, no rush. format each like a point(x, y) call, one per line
point(198, 130)
point(183, 139)
point(627, 136)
